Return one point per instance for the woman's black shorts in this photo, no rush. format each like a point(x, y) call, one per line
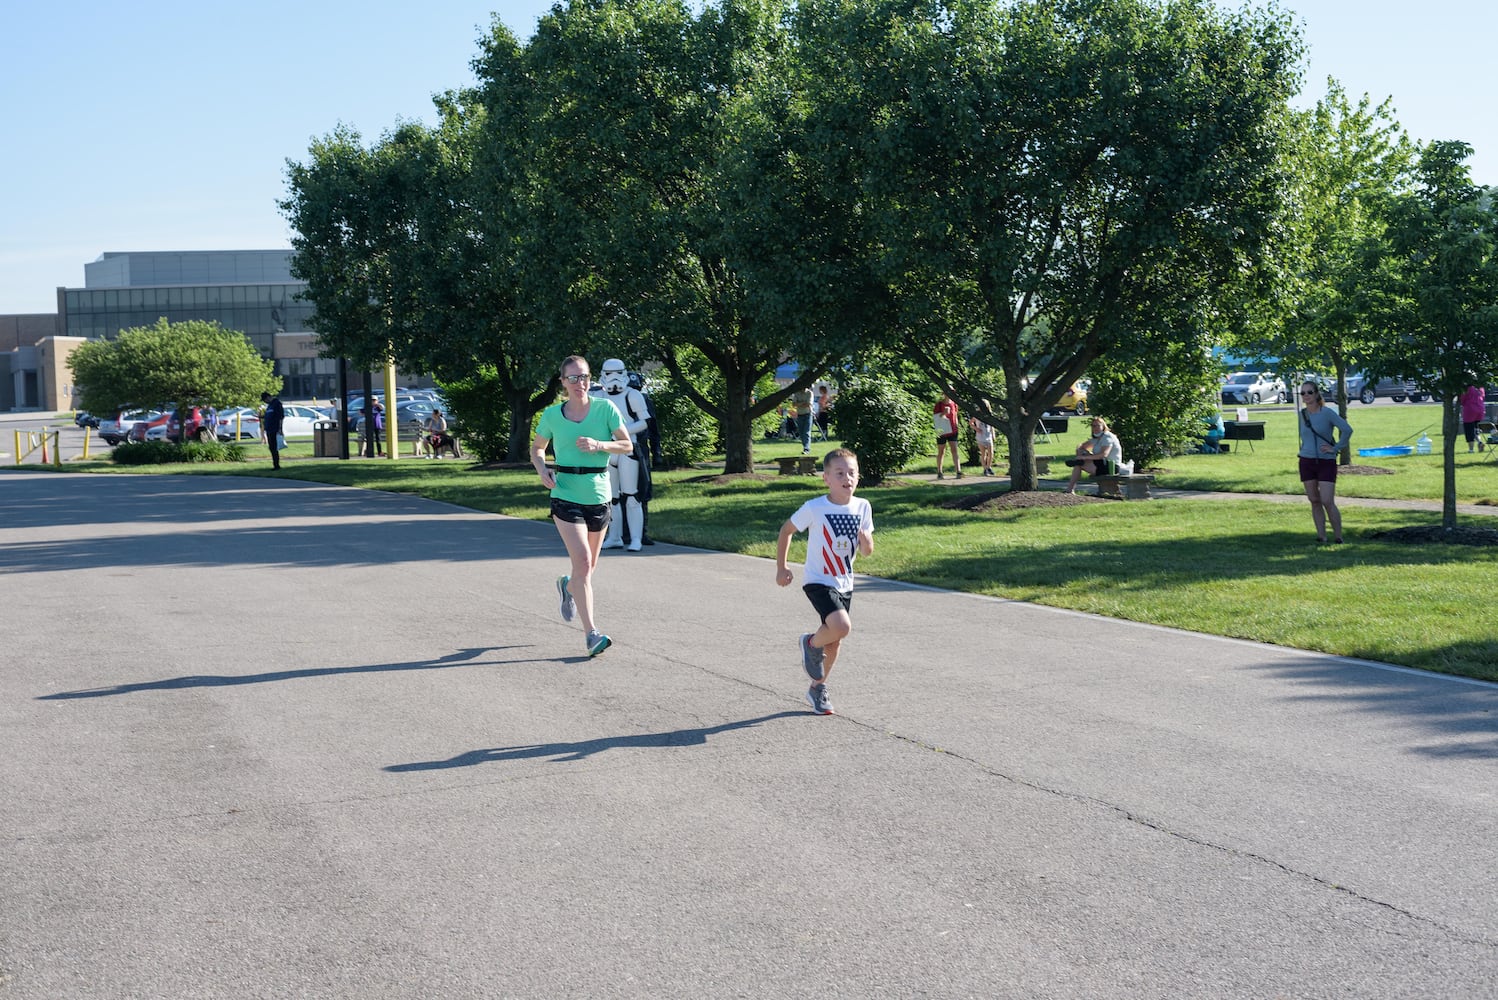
point(594, 515)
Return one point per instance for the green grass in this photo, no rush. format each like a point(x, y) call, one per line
point(1244, 568)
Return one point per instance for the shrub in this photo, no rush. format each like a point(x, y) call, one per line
point(885, 425)
point(687, 434)
point(478, 415)
point(167, 453)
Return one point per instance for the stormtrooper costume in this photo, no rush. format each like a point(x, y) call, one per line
point(629, 479)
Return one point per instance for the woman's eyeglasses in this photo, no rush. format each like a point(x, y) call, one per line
point(574, 379)
point(1308, 392)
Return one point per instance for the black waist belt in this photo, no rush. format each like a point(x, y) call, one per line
point(583, 470)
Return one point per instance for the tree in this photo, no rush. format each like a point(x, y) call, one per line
point(1444, 302)
point(193, 363)
point(1049, 180)
point(669, 159)
point(1348, 163)
point(408, 248)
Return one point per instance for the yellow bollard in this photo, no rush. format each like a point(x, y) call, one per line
point(18, 448)
point(57, 449)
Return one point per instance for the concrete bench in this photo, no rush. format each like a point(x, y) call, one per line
point(1133, 487)
point(798, 465)
point(1043, 464)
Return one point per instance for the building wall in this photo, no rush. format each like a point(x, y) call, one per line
point(25, 329)
point(54, 375)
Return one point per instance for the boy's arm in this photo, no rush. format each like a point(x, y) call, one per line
point(865, 543)
point(783, 575)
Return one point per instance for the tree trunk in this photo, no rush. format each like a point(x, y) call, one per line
point(1021, 435)
point(522, 413)
point(737, 427)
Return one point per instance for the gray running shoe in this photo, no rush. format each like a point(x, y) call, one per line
point(816, 697)
point(598, 642)
point(811, 658)
point(569, 606)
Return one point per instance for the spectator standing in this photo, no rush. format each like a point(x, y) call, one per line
point(1474, 410)
point(983, 433)
point(802, 400)
point(944, 421)
point(1318, 458)
point(824, 409)
point(270, 425)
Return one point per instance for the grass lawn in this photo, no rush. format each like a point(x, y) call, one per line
point(1245, 568)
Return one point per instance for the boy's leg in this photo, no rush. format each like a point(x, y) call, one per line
point(829, 638)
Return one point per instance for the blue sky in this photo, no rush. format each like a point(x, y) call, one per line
point(167, 125)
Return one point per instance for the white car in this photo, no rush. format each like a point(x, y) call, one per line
point(241, 419)
point(300, 418)
point(117, 429)
point(1253, 387)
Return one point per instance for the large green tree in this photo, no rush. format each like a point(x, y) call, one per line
point(1444, 303)
point(1348, 163)
point(1050, 179)
point(193, 363)
point(668, 153)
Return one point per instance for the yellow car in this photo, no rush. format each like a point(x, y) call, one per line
point(1074, 399)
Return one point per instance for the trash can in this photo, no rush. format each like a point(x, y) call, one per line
point(325, 439)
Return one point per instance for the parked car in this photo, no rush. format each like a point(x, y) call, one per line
point(196, 429)
point(405, 412)
point(1254, 387)
point(1397, 389)
point(117, 428)
point(153, 429)
point(1074, 400)
point(83, 418)
point(241, 423)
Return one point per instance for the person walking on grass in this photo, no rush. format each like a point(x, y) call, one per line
point(1318, 458)
point(841, 528)
point(944, 420)
point(583, 432)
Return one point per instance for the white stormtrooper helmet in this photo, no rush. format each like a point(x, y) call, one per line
point(614, 377)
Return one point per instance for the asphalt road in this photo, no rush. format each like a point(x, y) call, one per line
point(274, 739)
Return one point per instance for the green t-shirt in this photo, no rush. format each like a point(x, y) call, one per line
point(599, 423)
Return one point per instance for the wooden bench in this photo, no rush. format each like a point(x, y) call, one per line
point(798, 465)
point(1133, 487)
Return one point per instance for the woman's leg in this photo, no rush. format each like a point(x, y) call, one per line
point(1318, 512)
point(1329, 502)
point(582, 550)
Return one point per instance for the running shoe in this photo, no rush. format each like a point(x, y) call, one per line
point(816, 697)
point(811, 658)
point(569, 606)
point(598, 642)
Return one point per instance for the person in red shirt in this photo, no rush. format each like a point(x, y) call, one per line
point(944, 419)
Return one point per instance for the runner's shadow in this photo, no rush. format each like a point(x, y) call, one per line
point(462, 656)
point(561, 752)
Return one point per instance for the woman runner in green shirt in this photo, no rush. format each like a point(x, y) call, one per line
point(582, 432)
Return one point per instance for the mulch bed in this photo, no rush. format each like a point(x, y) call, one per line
point(1017, 500)
point(1363, 470)
point(1434, 534)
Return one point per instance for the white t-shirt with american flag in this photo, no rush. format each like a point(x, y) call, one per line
point(833, 539)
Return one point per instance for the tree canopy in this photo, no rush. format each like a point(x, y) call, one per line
point(193, 363)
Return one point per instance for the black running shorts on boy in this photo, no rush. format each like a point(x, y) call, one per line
point(827, 600)
point(594, 515)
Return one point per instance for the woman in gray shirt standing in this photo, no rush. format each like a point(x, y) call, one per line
point(1318, 458)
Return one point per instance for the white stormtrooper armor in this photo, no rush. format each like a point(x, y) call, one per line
point(625, 471)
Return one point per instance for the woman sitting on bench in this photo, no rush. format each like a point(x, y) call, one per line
point(1097, 456)
point(437, 436)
